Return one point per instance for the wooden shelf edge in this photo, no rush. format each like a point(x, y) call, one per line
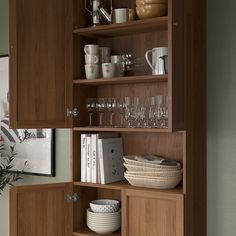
point(88, 232)
point(138, 26)
point(121, 130)
point(122, 185)
point(123, 80)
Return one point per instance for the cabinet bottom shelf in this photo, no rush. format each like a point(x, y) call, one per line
point(88, 232)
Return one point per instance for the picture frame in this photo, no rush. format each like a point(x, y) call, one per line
point(33, 149)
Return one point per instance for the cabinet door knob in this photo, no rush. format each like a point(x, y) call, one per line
point(74, 198)
point(74, 112)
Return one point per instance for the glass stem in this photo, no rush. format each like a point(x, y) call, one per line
point(101, 119)
point(90, 119)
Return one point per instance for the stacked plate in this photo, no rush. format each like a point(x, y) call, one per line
point(104, 216)
point(152, 172)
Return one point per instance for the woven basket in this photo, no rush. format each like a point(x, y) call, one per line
point(130, 160)
point(157, 173)
point(153, 183)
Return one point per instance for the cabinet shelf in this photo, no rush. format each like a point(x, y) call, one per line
point(127, 130)
point(122, 185)
point(88, 232)
point(133, 27)
point(123, 80)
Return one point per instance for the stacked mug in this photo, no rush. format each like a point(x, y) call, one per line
point(91, 61)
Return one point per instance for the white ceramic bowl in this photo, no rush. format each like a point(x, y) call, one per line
point(103, 223)
point(104, 205)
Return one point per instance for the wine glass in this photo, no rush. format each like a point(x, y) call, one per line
point(120, 106)
point(90, 106)
point(111, 106)
point(100, 108)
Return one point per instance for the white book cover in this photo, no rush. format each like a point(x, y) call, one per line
point(83, 163)
point(89, 158)
point(111, 160)
point(94, 157)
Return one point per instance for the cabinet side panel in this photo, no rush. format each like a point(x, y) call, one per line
point(195, 204)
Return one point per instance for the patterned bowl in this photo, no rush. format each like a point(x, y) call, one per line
point(104, 205)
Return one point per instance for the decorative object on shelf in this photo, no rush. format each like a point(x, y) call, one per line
point(150, 9)
point(152, 171)
point(98, 12)
point(159, 63)
point(7, 176)
point(103, 223)
point(104, 205)
point(34, 146)
point(131, 13)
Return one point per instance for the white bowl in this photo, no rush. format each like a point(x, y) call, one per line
point(103, 223)
point(104, 205)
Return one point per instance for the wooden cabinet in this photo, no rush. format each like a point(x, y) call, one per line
point(40, 63)
point(41, 210)
point(145, 212)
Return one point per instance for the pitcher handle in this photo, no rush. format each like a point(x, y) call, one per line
point(147, 59)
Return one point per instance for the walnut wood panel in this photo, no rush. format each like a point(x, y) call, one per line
point(137, 45)
point(41, 210)
point(176, 65)
point(40, 63)
point(148, 213)
point(195, 70)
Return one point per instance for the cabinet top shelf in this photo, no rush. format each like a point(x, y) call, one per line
point(133, 27)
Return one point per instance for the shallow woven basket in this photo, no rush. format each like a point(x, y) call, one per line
point(157, 173)
point(130, 160)
point(153, 183)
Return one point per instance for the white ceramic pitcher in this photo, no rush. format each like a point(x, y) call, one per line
point(158, 64)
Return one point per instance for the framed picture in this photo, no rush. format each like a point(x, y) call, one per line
point(33, 150)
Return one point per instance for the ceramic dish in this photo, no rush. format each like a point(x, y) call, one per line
point(104, 205)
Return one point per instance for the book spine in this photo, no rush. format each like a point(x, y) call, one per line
point(94, 158)
point(89, 157)
point(83, 158)
point(101, 162)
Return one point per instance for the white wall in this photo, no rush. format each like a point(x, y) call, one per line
point(221, 120)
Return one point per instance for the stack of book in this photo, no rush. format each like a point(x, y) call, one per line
point(101, 158)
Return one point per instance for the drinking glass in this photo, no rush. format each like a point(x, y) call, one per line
point(129, 111)
point(111, 106)
point(90, 106)
point(100, 108)
point(120, 107)
point(164, 112)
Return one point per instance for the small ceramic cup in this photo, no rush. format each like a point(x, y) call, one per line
point(108, 70)
point(92, 71)
point(91, 49)
point(91, 59)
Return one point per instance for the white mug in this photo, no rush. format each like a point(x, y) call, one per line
point(91, 49)
point(120, 15)
point(158, 65)
point(92, 71)
point(104, 53)
point(108, 70)
point(91, 59)
point(118, 60)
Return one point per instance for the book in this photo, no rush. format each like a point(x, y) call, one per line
point(89, 158)
point(110, 151)
point(94, 158)
point(83, 165)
